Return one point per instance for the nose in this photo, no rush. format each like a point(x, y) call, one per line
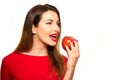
point(56, 28)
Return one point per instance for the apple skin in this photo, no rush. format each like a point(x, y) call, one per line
point(66, 42)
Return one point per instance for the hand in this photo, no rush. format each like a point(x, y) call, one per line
point(73, 54)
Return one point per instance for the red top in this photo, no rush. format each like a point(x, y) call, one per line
point(17, 66)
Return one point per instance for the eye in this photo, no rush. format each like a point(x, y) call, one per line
point(49, 23)
point(58, 23)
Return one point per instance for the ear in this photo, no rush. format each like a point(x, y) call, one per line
point(34, 29)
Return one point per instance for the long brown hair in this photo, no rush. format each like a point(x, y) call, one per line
point(33, 17)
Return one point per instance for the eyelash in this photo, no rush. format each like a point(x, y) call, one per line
point(49, 23)
point(58, 23)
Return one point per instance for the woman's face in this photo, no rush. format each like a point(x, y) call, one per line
point(48, 29)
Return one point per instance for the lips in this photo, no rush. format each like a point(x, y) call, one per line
point(54, 37)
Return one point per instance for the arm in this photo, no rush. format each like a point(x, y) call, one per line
point(73, 56)
point(5, 74)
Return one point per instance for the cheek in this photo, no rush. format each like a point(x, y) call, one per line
point(43, 35)
point(43, 30)
point(59, 31)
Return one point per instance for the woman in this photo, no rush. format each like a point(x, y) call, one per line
point(37, 57)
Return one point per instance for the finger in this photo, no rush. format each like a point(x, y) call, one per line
point(77, 48)
point(68, 50)
point(72, 45)
point(75, 39)
point(76, 43)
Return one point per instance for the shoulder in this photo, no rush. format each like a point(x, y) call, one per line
point(9, 57)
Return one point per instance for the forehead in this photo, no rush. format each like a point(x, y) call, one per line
point(50, 15)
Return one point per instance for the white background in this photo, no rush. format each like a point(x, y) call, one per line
point(95, 23)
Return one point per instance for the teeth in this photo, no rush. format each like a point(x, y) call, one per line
point(53, 36)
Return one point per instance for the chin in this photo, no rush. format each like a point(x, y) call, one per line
point(52, 44)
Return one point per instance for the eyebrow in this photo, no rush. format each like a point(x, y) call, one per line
point(49, 20)
point(52, 20)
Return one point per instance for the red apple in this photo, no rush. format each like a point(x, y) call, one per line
point(66, 41)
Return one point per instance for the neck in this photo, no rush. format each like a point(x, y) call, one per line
point(38, 48)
